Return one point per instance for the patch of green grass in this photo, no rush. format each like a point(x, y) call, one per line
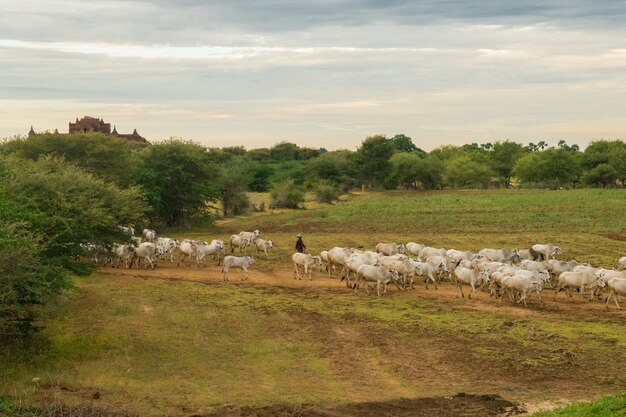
point(610, 406)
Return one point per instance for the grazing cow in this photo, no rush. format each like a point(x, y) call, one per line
point(621, 264)
point(617, 287)
point(547, 251)
point(413, 248)
point(427, 252)
point(500, 255)
point(215, 248)
point(456, 256)
point(250, 236)
point(241, 242)
point(578, 280)
point(378, 274)
point(167, 246)
point(389, 248)
point(470, 277)
point(146, 251)
point(520, 283)
point(338, 257)
point(187, 250)
point(264, 245)
point(149, 235)
point(241, 262)
point(127, 230)
point(124, 252)
point(307, 262)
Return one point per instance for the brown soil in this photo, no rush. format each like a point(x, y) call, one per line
point(284, 279)
point(460, 405)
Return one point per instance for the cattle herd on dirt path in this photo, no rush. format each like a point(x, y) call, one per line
point(515, 274)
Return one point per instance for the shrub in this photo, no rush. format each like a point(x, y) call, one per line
point(286, 195)
point(326, 192)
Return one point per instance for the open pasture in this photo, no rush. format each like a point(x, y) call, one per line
point(180, 341)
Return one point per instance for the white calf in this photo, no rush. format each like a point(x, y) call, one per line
point(241, 262)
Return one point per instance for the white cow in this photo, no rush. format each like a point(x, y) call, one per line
point(578, 280)
point(457, 256)
point(338, 257)
point(307, 262)
point(124, 252)
point(215, 248)
point(413, 248)
point(617, 287)
point(471, 277)
point(147, 251)
point(148, 235)
point(429, 271)
point(547, 251)
point(405, 267)
point(251, 236)
point(621, 264)
point(167, 246)
point(127, 230)
point(500, 255)
point(241, 262)
point(427, 252)
point(241, 242)
point(187, 250)
point(389, 248)
point(378, 274)
point(519, 283)
point(353, 263)
point(264, 245)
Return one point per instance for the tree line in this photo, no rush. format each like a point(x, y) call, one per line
point(61, 193)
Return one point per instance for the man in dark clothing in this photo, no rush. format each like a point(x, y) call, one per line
point(300, 246)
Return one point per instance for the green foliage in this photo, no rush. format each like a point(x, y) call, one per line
point(288, 170)
point(50, 209)
point(114, 159)
point(259, 176)
point(552, 167)
point(231, 191)
point(609, 406)
point(335, 167)
point(286, 195)
point(372, 160)
point(503, 157)
point(464, 172)
point(603, 175)
point(403, 143)
point(179, 179)
point(326, 192)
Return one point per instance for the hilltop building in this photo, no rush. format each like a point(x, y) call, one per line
point(92, 124)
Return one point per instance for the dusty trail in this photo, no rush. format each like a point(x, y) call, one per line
point(320, 282)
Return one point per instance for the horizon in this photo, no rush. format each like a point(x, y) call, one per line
point(322, 74)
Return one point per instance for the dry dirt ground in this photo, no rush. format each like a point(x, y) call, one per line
point(528, 389)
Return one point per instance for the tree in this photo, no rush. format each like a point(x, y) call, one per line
point(334, 167)
point(179, 180)
point(404, 169)
point(503, 157)
point(258, 176)
point(372, 160)
point(49, 210)
point(603, 175)
point(232, 191)
point(286, 195)
point(403, 143)
point(464, 172)
point(114, 159)
point(285, 151)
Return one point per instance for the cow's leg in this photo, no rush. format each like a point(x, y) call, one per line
point(378, 288)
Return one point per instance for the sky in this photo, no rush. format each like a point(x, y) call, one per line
point(320, 73)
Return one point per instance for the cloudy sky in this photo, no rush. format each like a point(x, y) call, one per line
point(321, 73)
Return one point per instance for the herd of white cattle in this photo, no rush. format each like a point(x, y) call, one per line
point(511, 273)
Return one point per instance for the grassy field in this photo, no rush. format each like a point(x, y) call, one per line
point(174, 343)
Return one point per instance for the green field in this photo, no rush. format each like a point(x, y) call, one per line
point(152, 345)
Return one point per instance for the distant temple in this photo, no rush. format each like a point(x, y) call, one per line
point(92, 124)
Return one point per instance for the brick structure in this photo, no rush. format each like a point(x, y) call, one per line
point(92, 124)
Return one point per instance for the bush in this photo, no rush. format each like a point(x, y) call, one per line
point(286, 195)
point(326, 192)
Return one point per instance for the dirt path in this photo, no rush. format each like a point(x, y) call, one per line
point(447, 292)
